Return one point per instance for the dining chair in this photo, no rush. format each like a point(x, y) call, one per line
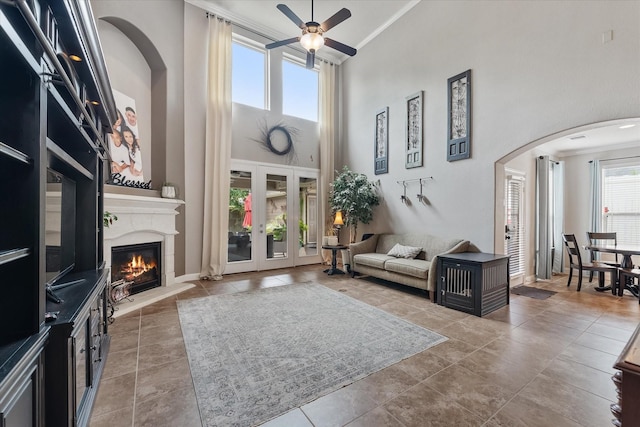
point(594, 238)
point(575, 262)
point(632, 275)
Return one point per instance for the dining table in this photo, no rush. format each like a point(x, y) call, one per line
point(627, 251)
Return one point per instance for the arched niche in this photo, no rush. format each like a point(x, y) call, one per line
point(158, 86)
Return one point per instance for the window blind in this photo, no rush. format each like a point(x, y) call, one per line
point(514, 244)
point(621, 201)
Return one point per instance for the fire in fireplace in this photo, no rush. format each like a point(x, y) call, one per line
point(138, 265)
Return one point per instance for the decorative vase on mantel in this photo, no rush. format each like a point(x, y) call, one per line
point(168, 191)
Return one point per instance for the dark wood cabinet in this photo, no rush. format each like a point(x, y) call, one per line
point(75, 356)
point(55, 109)
point(22, 385)
point(627, 381)
point(476, 283)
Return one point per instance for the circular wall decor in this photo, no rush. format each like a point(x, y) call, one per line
point(278, 140)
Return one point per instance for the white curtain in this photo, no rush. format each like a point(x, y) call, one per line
point(327, 142)
point(217, 151)
point(558, 216)
point(549, 217)
point(543, 234)
point(595, 189)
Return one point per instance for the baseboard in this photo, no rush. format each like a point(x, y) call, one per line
point(187, 277)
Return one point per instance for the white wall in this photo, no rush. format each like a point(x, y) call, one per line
point(537, 68)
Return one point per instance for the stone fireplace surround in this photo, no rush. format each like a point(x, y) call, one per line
point(144, 219)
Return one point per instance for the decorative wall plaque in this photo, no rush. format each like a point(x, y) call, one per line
point(459, 112)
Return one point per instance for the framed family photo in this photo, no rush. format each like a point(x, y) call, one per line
point(459, 116)
point(381, 156)
point(413, 130)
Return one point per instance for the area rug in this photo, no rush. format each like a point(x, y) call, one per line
point(532, 292)
point(256, 355)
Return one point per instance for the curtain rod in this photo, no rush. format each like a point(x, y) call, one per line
point(617, 158)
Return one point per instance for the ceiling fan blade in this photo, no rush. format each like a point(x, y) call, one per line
point(285, 9)
point(311, 60)
point(337, 18)
point(340, 46)
point(282, 42)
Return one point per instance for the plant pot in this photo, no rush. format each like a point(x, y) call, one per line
point(168, 192)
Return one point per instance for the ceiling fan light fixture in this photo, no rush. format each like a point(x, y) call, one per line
point(312, 41)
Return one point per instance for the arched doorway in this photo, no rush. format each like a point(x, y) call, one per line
point(586, 141)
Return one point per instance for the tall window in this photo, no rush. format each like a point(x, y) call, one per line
point(621, 199)
point(248, 75)
point(299, 91)
point(514, 230)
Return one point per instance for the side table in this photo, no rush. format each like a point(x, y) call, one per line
point(334, 252)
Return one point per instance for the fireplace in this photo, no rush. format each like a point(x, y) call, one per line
point(139, 265)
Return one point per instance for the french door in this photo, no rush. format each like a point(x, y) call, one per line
point(273, 215)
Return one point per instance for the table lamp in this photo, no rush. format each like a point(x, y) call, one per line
point(337, 223)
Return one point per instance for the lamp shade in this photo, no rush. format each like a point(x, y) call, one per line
point(312, 41)
point(338, 219)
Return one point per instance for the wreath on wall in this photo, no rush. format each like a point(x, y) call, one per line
point(278, 139)
point(269, 143)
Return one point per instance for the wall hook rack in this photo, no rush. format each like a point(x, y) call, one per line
point(404, 199)
point(421, 197)
point(421, 180)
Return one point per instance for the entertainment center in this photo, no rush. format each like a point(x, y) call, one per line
point(56, 107)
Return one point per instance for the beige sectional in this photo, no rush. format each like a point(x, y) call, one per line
point(370, 257)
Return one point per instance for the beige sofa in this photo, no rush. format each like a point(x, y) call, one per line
point(370, 257)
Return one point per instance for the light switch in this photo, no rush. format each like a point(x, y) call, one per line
point(607, 36)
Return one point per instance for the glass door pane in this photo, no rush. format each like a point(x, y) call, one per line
point(239, 246)
point(308, 217)
point(276, 216)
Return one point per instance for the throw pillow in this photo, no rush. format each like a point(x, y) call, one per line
point(401, 251)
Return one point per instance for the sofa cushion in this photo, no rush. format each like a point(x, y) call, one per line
point(372, 259)
point(431, 245)
point(402, 251)
point(412, 267)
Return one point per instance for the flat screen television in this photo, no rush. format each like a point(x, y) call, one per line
point(60, 227)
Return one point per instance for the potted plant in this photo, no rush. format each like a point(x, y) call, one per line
point(354, 195)
point(108, 218)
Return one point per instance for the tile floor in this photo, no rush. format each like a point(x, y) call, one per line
point(532, 363)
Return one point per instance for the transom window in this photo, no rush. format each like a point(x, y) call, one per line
point(299, 91)
point(254, 70)
point(248, 75)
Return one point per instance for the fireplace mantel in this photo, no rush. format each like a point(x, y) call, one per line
point(144, 219)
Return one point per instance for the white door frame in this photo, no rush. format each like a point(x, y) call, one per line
point(259, 260)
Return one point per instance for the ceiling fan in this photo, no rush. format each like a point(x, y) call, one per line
point(313, 37)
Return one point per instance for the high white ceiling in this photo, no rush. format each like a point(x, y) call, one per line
point(368, 19)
